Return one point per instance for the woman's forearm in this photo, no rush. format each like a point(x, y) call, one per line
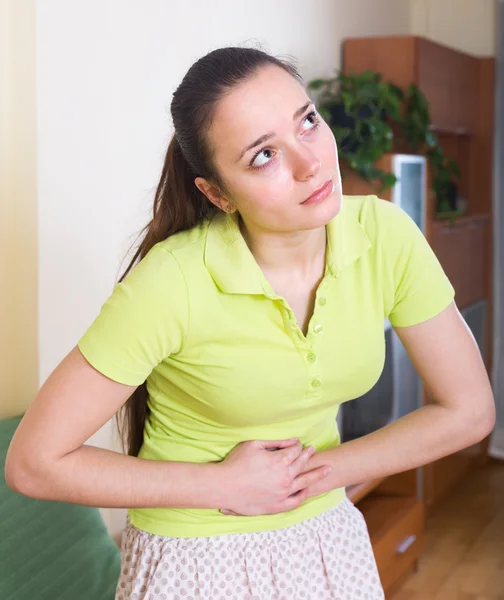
point(421, 437)
point(96, 477)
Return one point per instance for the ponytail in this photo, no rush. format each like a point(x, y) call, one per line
point(178, 203)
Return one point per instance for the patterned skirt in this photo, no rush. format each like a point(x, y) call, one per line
point(326, 557)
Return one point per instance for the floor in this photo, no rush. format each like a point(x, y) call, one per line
point(464, 551)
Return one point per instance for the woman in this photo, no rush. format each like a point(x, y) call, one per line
point(256, 309)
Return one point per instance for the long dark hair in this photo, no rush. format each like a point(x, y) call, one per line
point(178, 204)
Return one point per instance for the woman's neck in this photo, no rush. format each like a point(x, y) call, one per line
point(300, 251)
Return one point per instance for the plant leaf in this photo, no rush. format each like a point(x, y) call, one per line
point(316, 84)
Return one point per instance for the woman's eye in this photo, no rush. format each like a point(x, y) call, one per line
point(268, 154)
point(312, 120)
point(264, 156)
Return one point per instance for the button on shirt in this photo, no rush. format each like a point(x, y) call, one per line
point(225, 361)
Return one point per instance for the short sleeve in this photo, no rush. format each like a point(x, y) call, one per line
point(421, 289)
point(143, 321)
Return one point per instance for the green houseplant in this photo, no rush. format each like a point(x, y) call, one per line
point(415, 127)
point(358, 108)
point(366, 114)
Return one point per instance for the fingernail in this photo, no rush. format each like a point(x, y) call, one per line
point(326, 472)
point(224, 511)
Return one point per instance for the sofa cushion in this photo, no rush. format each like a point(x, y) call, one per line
point(52, 550)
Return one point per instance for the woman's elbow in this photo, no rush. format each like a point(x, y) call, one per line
point(482, 420)
point(22, 476)
point(488, 421)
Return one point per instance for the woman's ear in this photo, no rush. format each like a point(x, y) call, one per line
point(214, 195)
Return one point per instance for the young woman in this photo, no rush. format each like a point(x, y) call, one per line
point(256, 309)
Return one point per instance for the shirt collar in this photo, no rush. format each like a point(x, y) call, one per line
point(235, 270)
point(346, 239)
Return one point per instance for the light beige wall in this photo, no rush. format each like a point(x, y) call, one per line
point(18, 208)
point(467, 25)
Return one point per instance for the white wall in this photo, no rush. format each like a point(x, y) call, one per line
point(106, 73)
point(468, 25)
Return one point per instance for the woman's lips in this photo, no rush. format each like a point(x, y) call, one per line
point(321, 194)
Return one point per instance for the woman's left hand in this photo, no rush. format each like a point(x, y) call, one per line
point(328, 483)
point(318, 459)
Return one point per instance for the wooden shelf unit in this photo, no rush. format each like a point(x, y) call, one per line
point(361, 490)
point(396, 529)
point(460, 91)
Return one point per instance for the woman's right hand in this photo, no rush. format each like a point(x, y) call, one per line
point(268, 477)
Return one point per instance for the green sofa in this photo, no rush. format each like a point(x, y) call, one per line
point(52, 550)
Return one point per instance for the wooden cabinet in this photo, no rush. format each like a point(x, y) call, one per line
point(460, 91)
point(441, 476)
point(448, 78)
point(395, 57)
point(433, 78)
point(460, 249)
point(463, 251)
point(395, 527)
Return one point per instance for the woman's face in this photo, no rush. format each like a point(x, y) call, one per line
point(273, 150)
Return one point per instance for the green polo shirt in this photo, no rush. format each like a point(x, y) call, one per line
point(225, 361)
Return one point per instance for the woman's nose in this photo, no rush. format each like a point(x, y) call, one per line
point(306, 164)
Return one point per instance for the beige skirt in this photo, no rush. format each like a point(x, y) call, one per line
point(326, 557)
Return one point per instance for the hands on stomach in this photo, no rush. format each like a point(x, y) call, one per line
point(268, 477)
